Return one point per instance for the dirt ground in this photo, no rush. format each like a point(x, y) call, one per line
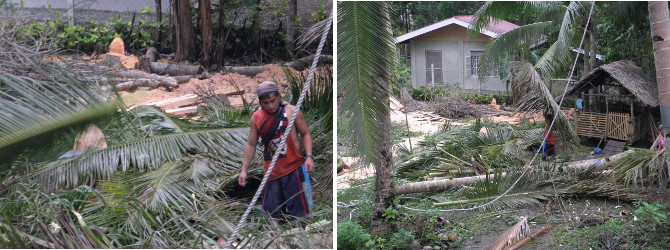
point(216, 82)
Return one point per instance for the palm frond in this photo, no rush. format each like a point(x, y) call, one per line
point(640, 167)
point(507, 46)
point(365, 45)
point(311, 34)
point(541, 93)
point(32, 108)
point(142, 155)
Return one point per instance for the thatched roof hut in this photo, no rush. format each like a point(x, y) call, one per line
point(619, 103)
point(628, 74)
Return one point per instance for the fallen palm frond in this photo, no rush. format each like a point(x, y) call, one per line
point(639, 167)
point(142, 155)
point(512, 235)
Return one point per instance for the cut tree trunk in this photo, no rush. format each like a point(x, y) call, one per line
point(166, 81)
point(173, 69)
point(133, 84)
point(305, 62)
point(440, 185)
point(247, 71)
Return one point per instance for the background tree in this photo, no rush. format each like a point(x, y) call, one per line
point(366, 58)
point(660, 33)
point(185, 37)
point(291, 11)
point(206, 32)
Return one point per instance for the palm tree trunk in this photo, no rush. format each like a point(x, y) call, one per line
point(383, 179)
point(659, 20)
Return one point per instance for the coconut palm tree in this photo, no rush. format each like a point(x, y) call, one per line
point(660, 24)
point(365, 60)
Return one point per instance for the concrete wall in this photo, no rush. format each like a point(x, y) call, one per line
point(452, 42)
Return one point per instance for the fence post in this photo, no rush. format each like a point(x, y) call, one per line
point(70, 13)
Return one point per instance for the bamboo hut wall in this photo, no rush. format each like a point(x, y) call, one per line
point(591, 124)
point(619, 126)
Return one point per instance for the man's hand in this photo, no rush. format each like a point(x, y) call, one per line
point(242, 179)
point(309, 165)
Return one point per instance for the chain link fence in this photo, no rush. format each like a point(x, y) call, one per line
point(84, 11)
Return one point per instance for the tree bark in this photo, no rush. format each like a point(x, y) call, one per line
point(221, 38)
point(384, 192)
point(184, 30)
point(206, 32)
point(173, 69)
point(659, 20)
point(292, 9)
point(159, 18)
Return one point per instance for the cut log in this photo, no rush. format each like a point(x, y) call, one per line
point(152, 54)
point(183, 111)
point(113, 61)
point(306, 62)
point(182, 79)
point(173, 69)
point(247, 71)
point(133, 74)
point(185, 100)
point(133, 84)
point(440, 185)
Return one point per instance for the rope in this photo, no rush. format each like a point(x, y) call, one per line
point(527, 166)
point(282, 143)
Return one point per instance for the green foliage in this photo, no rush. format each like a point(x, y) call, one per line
point(648, 212)
point(399, 132)
point(487, 98)
point(319, 15)
point(95, 38)
point(390, 213)
point(428, 93)
point(350, 235)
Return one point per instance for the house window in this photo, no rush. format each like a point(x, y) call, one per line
point(474, 64)
point(434, 67)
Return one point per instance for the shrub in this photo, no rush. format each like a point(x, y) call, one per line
point(426, 93)
point(350, 235)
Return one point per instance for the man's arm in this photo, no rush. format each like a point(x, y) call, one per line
point(249, 151)
point(301, 126)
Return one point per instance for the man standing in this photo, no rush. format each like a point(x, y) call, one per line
point(287, 191)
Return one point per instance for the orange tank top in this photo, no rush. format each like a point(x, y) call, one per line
point(290, 158)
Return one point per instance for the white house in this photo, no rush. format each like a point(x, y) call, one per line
point(442, 54)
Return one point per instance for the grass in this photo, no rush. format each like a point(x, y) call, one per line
point(399, 133)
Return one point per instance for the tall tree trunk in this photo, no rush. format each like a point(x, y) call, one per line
point(172, 33)
point(206, 32)
point(292, 9)
point(221, 37)
point(184, 30)
point(159, 18)
point(659, 20)
point(594, 42)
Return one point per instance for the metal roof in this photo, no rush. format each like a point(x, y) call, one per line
point(496, 27)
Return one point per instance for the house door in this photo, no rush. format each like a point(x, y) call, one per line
point(434, 67)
